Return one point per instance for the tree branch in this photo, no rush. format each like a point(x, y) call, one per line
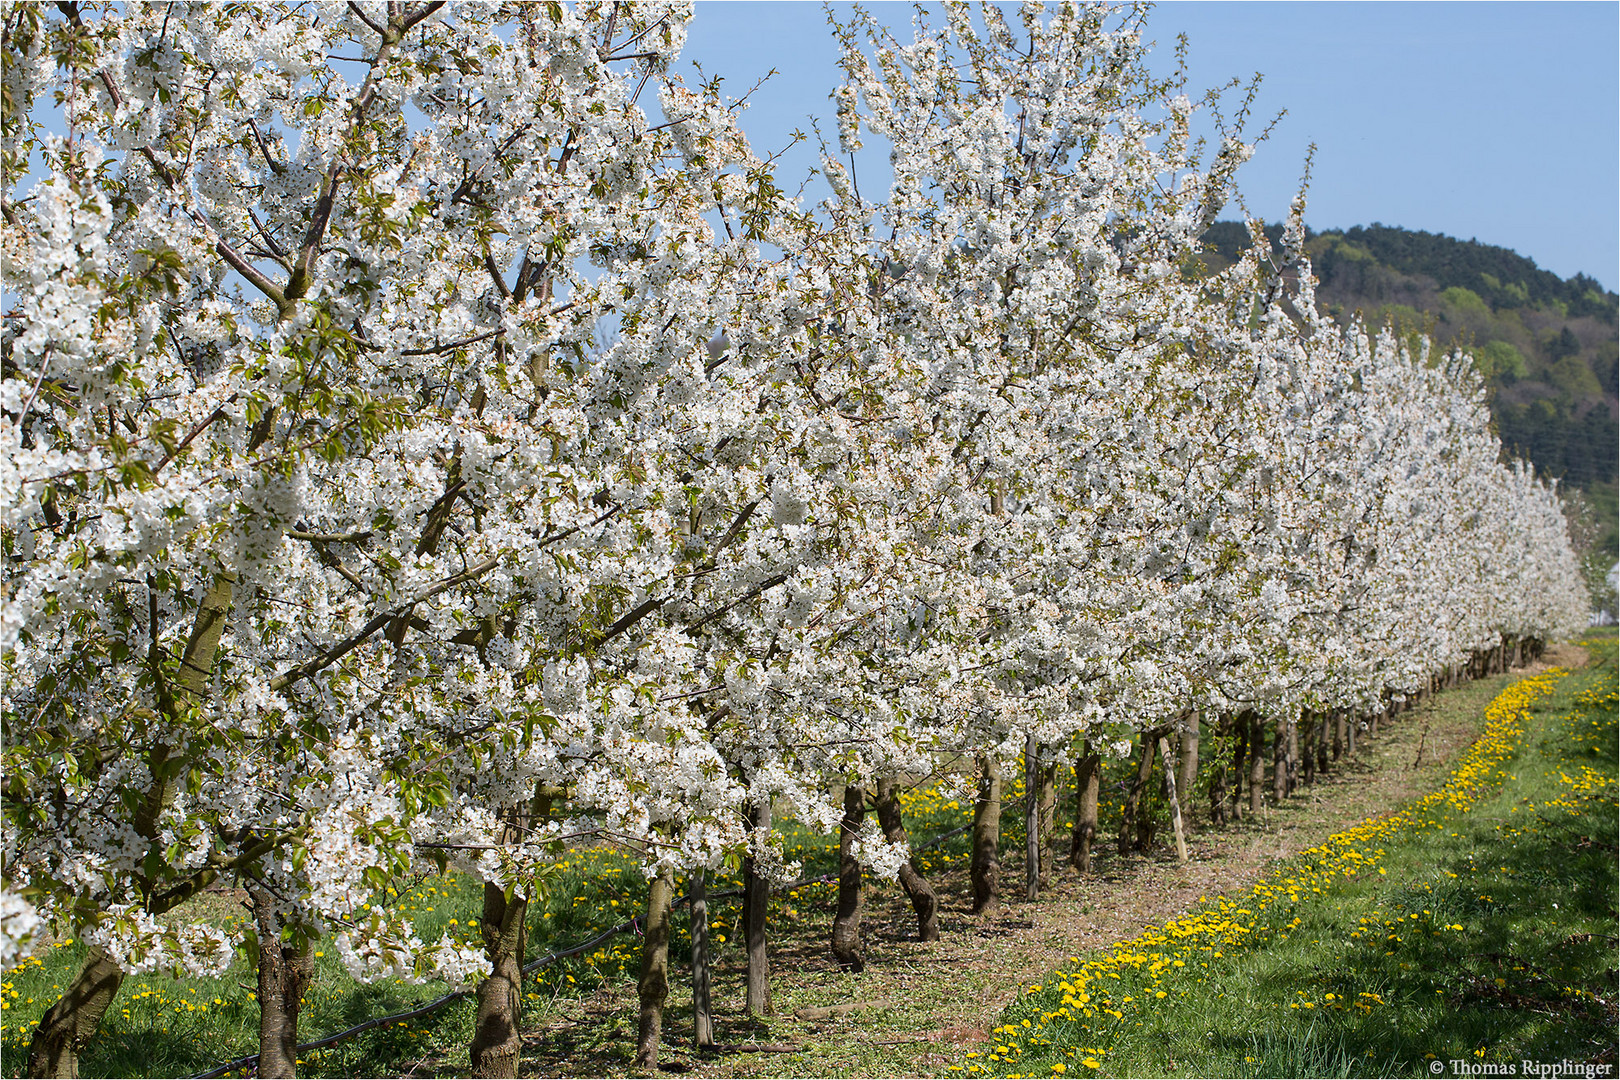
point(768, 583)
point(360, 14)
point(354, 640)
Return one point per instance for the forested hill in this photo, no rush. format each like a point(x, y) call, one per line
point(1547, 346)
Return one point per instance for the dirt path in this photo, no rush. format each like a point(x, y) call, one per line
point(916, 1009)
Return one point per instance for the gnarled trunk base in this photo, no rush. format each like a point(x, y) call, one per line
point(498, 1037)
point(985, 867)
point(924, 901)
point(846, 928)
point(68, 1025)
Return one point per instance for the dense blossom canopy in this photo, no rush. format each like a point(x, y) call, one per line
point(404, 415)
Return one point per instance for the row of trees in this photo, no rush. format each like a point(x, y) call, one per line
point(423, 454)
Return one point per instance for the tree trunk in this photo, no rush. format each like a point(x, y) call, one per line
point(1293, 754)
point(653, 987)
point(68, 1025)
point(702, 1015)
point(1175, 800)
point(1219, 782)
point(985, 867)
point(285, 969)
point(1087, 781)
point(1241, 723)
point(1187, 770)
point(497, 1041)
point(1257, 761)
point(1320, 741)
point(1350, 727)
point(1307, 741)
point(846, 928)
point(1049, 801)
point(756, 903)
point(1133, 798)
point(1032, 818)
point(1147, 825)
point(1338, 733)
point(924, 901)
point(1279, 761)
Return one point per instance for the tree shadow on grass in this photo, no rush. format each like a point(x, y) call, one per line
point(1517, 976)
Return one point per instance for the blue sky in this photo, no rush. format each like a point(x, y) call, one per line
point(1491, 121)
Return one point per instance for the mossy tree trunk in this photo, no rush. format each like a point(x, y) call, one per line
point(285, 968)
point(497, 1043)
point(67, 1025)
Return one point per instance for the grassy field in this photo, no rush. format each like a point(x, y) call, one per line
point(161, 1027)
point(1473, 926)
point(1285, 982)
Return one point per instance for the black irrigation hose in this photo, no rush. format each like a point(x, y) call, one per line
point(944, 836)
point(456, 995)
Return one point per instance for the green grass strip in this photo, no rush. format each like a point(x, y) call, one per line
point(1470, 931)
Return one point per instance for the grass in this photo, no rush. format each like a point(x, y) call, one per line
point(160, 1026)
point(581, 1012)
point(1476, 925)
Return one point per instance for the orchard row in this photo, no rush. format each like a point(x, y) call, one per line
point(435, 437)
